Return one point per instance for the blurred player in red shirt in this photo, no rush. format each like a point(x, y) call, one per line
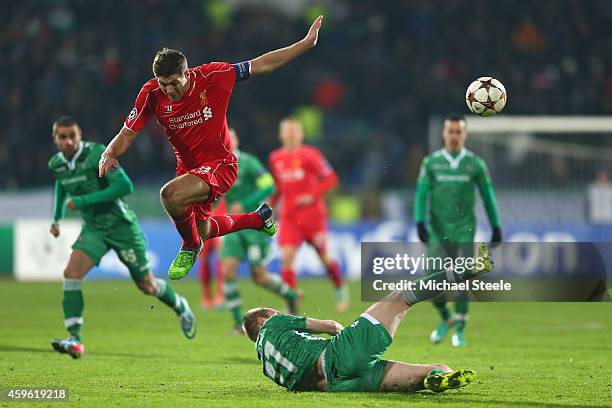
point(302, 177)
point(191, 106)
point(207, 268)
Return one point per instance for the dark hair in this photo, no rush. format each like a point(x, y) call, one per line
point(456, 118)
point(64, 121)
point(249, 321)
point(168, 62)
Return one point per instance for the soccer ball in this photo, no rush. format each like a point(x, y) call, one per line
point(486, 96)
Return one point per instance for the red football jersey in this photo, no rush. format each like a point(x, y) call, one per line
point(298, 172)
point(196, 124)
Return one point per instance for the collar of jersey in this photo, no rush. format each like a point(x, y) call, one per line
point(72, 163)
point(454, 161)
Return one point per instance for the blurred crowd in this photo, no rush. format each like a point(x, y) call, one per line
point(381, 69)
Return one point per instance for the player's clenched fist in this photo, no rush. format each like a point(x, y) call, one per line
point(107, 165)
point(337, 327)
point(55, 230)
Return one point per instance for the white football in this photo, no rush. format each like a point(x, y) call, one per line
point(486, 96)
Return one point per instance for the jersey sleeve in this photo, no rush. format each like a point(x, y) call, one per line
point(482, 172)
point(59, 202)
point(288, 322)
point(223, 73)
point(264, 184)
point(257, 167)
point(485, 187)
point(119, 186)
point(422, 189)
point(59, 194)
point(320, 164)
point(142, 111)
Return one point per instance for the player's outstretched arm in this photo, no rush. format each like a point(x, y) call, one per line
point(326, 184)
point(118, 146)
point(317, 326)
point(59, 208)
point(273, 60)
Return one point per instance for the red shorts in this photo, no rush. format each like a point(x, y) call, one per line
point(294, 232)
point(220, 177)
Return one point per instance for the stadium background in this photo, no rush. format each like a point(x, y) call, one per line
point(370, 97)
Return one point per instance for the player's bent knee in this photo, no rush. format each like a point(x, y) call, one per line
point(229, 275)
point(73, 273)
point(169, 194)
point(260, 278)
point(229, 270)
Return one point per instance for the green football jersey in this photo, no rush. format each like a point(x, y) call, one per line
point(286, 351)
point(450, 181)
point(252, 177)
point(78, 177)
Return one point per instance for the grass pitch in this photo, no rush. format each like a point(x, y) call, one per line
point(525, 354)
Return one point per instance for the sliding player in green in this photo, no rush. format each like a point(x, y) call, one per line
point(108, 223)
point(448, 177)
point(351, 359)
point(253, 185)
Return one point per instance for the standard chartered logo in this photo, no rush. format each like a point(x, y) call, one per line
point(190, 119)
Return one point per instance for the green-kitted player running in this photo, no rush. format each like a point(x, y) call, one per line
point(448, 177)
point(351, 360)
point(108, 223)
point(253, 185)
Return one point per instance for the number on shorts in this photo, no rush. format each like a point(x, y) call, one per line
point(128, 256)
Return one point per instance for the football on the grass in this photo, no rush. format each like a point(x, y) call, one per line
point(486, 96)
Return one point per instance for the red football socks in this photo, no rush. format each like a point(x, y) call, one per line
point(288, 276)
point(334, 273)
point(225, 224)
point(186, 226)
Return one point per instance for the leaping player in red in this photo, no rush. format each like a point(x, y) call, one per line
point(191, 105)
point(302, 177)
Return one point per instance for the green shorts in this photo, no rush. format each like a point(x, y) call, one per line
point(352, 359)
point(249, 244)
point(126, 239)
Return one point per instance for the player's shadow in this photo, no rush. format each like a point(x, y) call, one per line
point(8, 348)
point(242, 360)
point(143, 356)
point(463, 398)
point(506, 403)
point(127, 355)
